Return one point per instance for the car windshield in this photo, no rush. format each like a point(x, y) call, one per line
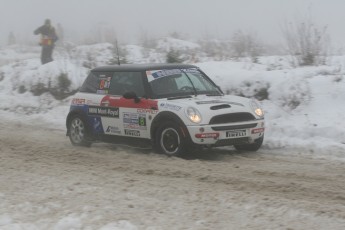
point(180, 82)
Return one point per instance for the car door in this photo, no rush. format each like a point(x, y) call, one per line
point(133, 116)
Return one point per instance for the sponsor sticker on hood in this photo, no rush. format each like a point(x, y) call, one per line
point(169, 106)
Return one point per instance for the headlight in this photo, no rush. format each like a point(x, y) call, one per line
point(257, 108)
point(193, 115)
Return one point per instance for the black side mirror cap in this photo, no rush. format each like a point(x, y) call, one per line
point(131, 95)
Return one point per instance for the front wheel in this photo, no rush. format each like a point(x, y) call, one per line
point(78, 132)
point(251, 147)
point(170, 140)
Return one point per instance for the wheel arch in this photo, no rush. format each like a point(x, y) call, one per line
point(74, 113)
point(164, 117)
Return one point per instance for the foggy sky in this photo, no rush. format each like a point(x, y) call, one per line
point(195, 18)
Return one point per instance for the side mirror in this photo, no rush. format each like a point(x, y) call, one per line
point(131, 95)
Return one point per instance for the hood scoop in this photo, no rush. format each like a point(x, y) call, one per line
point(222, 106)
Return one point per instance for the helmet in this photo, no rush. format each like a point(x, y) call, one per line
point(47, 22)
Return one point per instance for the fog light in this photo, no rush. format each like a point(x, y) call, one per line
point(259, 130)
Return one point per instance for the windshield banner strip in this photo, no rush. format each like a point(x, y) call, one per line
point(155, 74)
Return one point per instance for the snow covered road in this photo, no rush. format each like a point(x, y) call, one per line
point(46, 183)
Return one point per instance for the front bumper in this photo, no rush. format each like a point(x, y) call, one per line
point(227, 134)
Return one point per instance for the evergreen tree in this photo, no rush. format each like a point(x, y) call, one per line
point(173, 56)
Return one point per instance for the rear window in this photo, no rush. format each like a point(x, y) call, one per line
point(97, 82)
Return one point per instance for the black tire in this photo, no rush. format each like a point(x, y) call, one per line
point(251, 147)
point(78, 132)
point(169, 140)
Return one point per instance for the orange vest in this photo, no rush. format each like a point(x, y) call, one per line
point(46, 40)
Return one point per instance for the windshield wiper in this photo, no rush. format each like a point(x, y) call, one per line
point(190, 80)
point(179, 97)
point(214, 94)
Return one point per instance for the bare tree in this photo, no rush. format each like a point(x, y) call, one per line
point(146, 40)
point(119, 54)
point(306, 42)
point(245, 45)
point(11, 39)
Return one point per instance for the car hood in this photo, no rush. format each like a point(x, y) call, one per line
point(210, 106)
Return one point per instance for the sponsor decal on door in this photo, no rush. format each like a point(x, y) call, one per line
point(103, 111)
point(134, 121)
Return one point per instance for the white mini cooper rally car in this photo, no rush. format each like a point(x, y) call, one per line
point(173, 107)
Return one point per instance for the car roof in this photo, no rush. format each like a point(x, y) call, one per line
point(142, 67)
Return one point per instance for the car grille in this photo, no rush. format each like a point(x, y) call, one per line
point(231, 127)
point(231, 117)
point(234, 141)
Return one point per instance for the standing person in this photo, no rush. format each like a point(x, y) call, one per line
point(48, 39)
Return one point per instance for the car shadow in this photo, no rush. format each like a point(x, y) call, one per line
point(205, 154)
point(213, 154)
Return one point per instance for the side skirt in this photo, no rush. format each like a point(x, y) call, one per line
point(131, 141)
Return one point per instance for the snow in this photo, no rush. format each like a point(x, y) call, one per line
point(176, 44)
point(304, 110)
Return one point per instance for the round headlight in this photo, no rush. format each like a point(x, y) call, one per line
point(259, 112)
point(257, 108)
point(193, 115)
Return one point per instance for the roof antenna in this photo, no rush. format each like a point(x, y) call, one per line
point(117, 52)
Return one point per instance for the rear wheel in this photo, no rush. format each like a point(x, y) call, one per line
point(78, 132)
point(170, 140)
point(251, 147)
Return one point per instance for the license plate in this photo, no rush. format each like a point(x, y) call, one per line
point(236, 133)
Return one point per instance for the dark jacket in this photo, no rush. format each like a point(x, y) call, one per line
point(48, 33)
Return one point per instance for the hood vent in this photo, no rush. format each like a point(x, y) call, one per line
point(222, 106)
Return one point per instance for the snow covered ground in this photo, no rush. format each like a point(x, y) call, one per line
point(48, 184)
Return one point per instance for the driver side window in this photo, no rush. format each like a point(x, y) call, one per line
point(122, 82)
